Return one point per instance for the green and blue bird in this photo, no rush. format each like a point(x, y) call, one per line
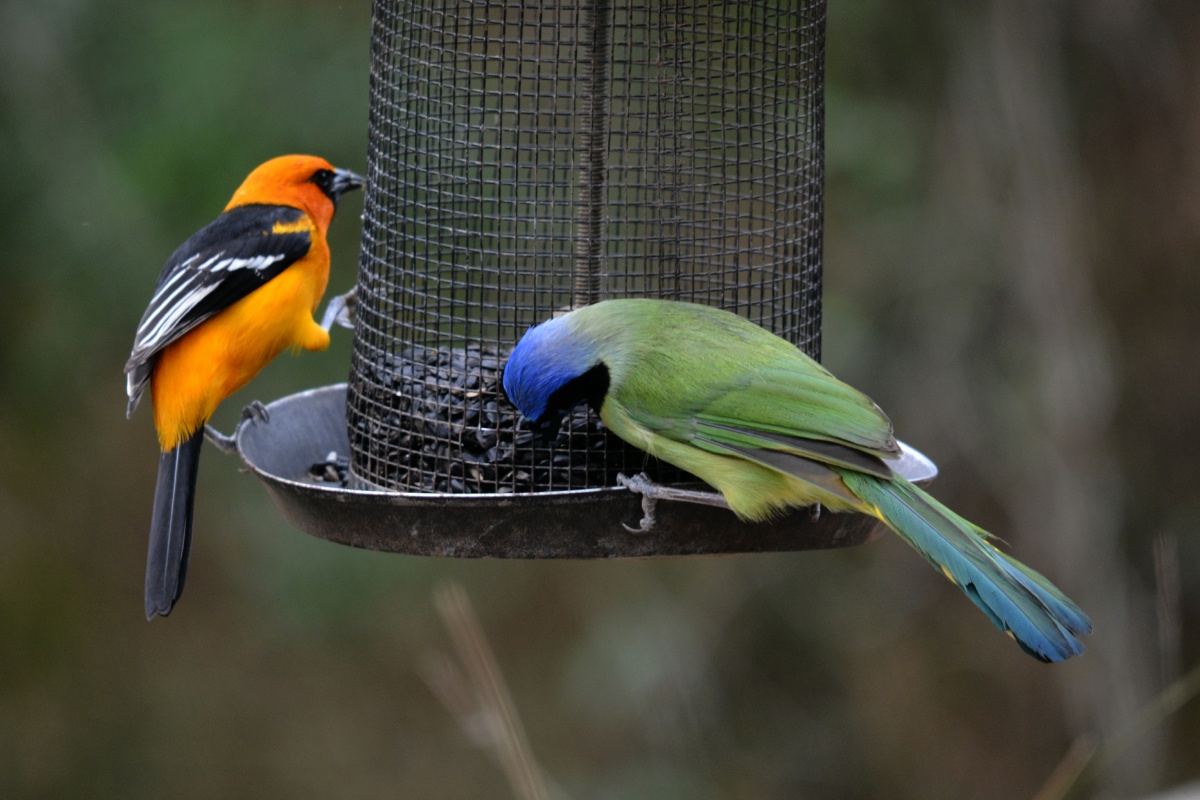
point(770, 429)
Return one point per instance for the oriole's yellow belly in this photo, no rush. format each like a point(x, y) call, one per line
point(196, 372)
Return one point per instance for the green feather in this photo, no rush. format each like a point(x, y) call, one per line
point(675, 366)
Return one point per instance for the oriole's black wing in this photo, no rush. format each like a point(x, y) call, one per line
point(220, 264)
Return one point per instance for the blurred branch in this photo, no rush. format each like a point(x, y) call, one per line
point(1066, 774)
point(1168, 594)
point(1083, 763)
point(473, 690)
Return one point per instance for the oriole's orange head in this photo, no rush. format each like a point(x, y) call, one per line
point(309, 183)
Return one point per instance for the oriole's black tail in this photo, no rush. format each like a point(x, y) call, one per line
point(171, 526)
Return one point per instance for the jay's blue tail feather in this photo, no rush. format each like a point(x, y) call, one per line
point(1042, 620)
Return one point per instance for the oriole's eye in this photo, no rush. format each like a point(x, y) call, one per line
point(323, 178)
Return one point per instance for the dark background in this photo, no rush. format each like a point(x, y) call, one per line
point(1013, 232)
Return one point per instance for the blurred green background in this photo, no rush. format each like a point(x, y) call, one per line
point(1013, 232)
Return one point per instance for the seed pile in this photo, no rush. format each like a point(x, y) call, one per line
point(436, 419)
point(333, 469)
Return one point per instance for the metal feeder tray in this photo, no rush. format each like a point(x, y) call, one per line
point(302, 429)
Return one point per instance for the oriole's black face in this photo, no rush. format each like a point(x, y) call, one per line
point(336, 182)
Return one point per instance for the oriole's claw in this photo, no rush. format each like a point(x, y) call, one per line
point(255, 411)
point(341, 310)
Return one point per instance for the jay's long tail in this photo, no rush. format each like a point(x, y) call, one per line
point(1042, 620)
point(171, 525)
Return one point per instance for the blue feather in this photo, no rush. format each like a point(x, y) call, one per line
point(547, 357)
point(1014, 597)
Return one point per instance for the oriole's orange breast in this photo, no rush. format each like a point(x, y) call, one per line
point(212, 361)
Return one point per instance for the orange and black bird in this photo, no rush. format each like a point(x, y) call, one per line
point(231, 298)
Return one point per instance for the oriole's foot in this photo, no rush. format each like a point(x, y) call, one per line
point(228, 444)
point(255, 411)
point(341, 310)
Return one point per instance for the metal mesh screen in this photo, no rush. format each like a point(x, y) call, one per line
point(526, 158)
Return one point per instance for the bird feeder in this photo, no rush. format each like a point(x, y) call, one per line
point(525, 159)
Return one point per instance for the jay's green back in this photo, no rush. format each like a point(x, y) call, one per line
point(686, 370)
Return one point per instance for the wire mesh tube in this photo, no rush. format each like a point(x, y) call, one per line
point(589, 242)
point(526, 158)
